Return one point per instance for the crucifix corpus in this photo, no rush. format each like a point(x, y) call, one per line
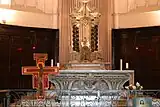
point(40, 73)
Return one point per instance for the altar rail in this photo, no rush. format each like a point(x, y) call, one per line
point(74, 98)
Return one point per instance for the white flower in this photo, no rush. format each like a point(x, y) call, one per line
point(137, 84)
point(126, 87)
point(134, 87)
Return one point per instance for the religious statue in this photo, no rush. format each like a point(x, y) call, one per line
point(85, 42)
point(85, 51)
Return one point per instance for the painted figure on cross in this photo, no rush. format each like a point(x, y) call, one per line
point(40, 73)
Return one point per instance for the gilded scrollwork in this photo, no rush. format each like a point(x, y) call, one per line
point(86, 44)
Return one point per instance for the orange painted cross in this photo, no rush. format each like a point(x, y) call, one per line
point(40, 73)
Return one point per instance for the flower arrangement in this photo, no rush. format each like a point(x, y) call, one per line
point(135, 90)
point(134, 87)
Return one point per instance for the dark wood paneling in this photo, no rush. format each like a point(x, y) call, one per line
point(141, 48)
point(16, 50)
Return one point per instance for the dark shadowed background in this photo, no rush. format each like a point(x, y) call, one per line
point(17, 45)
point(140, 47)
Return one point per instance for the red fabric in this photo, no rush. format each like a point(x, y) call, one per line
point(45, 81)
point(35, 80)
point(34, 71)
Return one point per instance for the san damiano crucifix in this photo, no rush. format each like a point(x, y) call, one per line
point(40, 73)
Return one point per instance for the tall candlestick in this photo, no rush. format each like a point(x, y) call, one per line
point(121, 64)
point(58, 64)
point(127, 65)
point(51, 62)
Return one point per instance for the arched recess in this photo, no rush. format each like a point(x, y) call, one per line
point(101, 85)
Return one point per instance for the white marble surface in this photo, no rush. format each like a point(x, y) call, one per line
point(96, 71)
point(92, 79)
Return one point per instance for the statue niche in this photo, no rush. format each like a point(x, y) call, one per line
point(85, 52)
point(85, 35)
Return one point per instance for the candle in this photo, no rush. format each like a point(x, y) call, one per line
point(98, 93)
point(58, 64)
point(51, 62)
point(121, 64)
point(127, 65)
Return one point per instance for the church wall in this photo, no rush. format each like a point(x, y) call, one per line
point(30, 19)
point(32, 13)
point(139, 19)
point(135, 13)
point(36, 20)
point(103, 6)
point(126, 6)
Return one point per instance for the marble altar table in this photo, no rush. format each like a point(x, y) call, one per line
point(92, 79)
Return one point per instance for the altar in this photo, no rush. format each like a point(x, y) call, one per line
point(92, 79)
point(90, 87)
point(83, 81)
point(86, 67)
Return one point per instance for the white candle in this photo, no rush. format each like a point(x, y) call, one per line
point(127, 65)
point(121, 64)
point(58, 64)
point(98, 94)
point(51, 62)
